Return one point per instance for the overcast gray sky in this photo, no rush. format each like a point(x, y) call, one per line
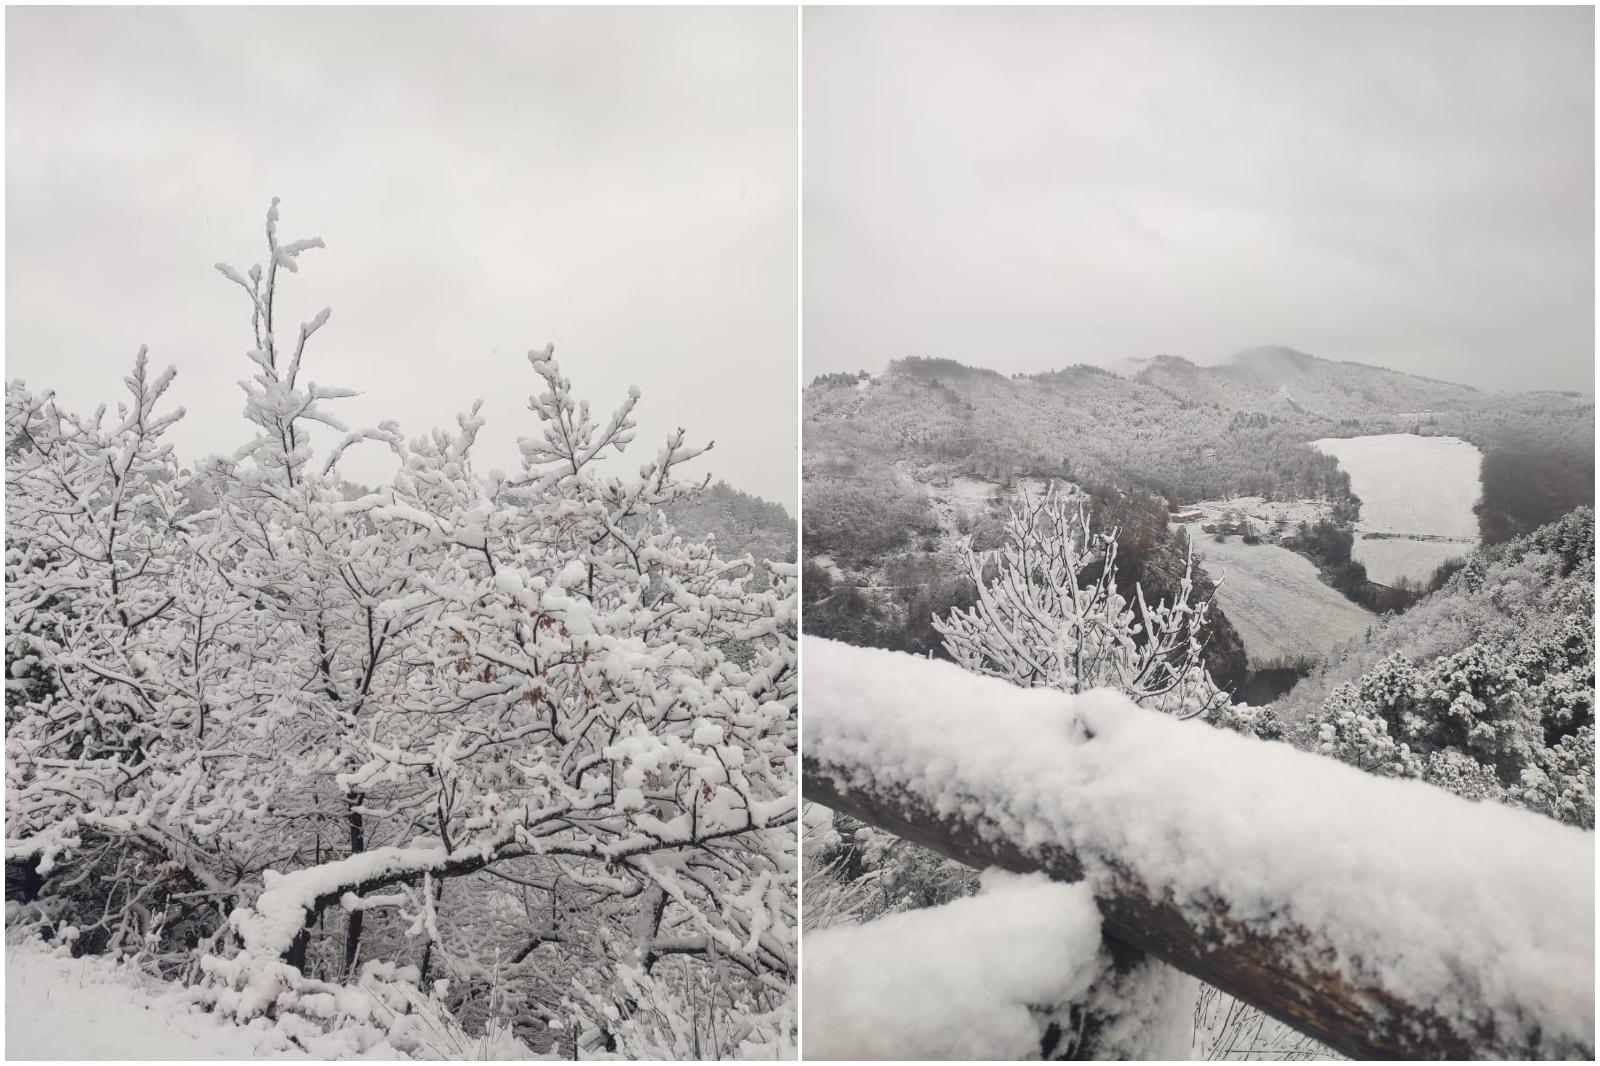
point(1030, 188)
point(620, 182)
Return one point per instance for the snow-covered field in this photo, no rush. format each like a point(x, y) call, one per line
point(1389, 559)
point(1415, 486)
point(972, 493)
point(1264, 513)
point(1277, 600)
point(89, 1008)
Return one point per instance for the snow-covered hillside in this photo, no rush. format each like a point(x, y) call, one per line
point(1276, 599)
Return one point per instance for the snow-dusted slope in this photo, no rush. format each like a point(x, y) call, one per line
point(88, 1008)
point(1276, 599)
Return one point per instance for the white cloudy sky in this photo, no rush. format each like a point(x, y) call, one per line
point(1030, 188)
point(620, 182)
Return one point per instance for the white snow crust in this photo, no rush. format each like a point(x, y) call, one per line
point(955, 981)
point(59, 1007)
point(1410, 486)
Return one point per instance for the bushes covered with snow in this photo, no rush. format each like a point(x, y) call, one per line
point(512, 732)
point(1486, 688)
point(1048, 614)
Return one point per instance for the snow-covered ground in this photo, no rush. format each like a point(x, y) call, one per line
point(1391, 558)
point(1264, 513)
point(977, 495)
point(58, 1007)
point(974, 494)
point(90, 1008)
point(1413, 486)
point(1275, 598)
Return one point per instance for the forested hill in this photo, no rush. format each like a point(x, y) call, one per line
point(1486, 687)
point(1190, 432)
point(742, 523)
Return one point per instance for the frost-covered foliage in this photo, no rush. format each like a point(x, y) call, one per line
point(509, 744)
point(1048, 615)
point(1229, 1030)
point(855, 873)
point(1487, 687)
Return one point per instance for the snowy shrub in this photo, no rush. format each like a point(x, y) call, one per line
point(1048, 614)
point(855, 873)
point(511, 732)
point(1487, 687)
point(1226, 1029)
point(1351, 730)
point(1262, 722)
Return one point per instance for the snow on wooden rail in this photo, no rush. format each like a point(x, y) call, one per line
point(1386, 918)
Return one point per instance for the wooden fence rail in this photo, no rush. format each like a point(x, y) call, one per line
point(1388, 919)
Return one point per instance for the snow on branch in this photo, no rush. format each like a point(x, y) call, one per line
point(1384, 917)
point(305, 739)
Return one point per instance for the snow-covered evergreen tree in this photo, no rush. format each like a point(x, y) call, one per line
point(1505, 710)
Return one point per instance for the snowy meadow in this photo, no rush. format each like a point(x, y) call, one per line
point(1417, 497)
point(463, 761)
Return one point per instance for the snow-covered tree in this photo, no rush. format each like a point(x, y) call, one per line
point(1487, 687)
point(1048, 614)
point(125, 757)
point(507, 744)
